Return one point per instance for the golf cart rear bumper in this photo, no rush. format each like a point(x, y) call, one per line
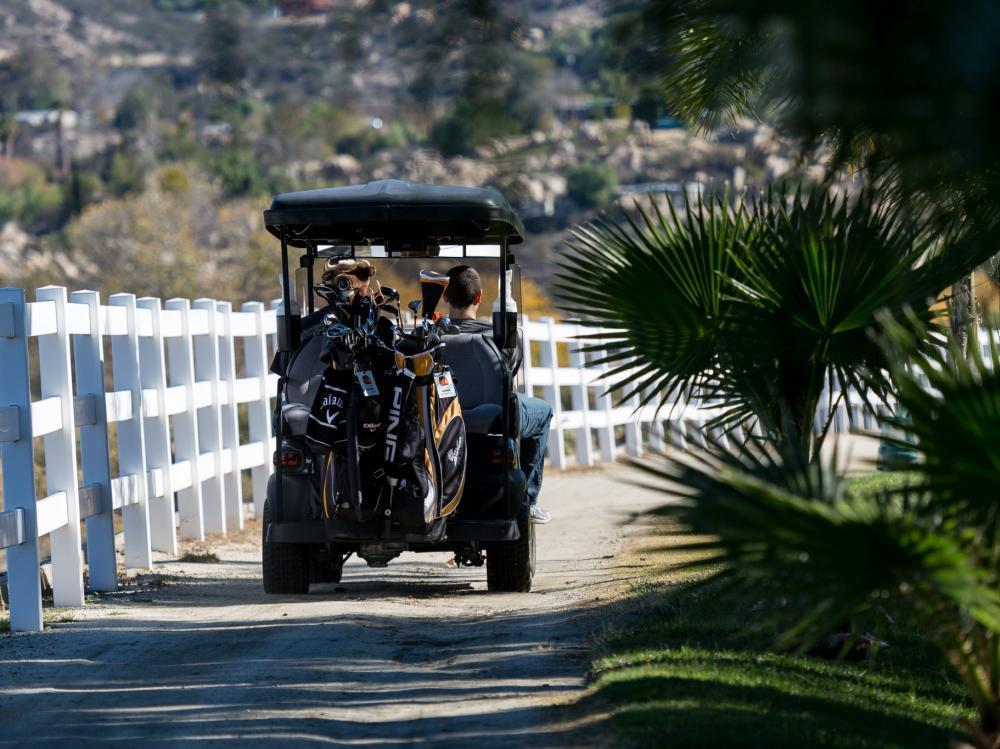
point(315, 532)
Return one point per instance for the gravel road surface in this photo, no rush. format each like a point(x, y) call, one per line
point(418, 654)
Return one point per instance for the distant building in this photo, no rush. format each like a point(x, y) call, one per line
point(47, 117)
point(584, 108)
point(303, 7)
point(666, 122)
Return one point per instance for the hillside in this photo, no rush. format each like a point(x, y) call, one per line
point(190, 113)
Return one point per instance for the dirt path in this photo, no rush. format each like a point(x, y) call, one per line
point(416, 654)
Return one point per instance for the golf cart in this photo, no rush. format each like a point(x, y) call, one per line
point(391, 436)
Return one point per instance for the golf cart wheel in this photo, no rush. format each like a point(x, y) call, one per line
point(286, 566)
point(510, 565)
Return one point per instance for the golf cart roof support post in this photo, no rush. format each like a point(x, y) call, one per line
point(506, 376)
point(307, 262)
point(286, 307)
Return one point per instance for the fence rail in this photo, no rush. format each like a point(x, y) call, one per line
point(180, 373)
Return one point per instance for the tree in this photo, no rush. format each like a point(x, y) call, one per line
point(901, 85)
point(125, 173)
point(772, 518)
point(32, 78)
point(8, 129)
point(755, 308)
point(904, 91)
point(222, 44)
point(592, 185)
point(239, 169)
point(759, 306)
point(472, 123)
point(176, 237)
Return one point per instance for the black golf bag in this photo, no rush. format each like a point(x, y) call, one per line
point(425, 443)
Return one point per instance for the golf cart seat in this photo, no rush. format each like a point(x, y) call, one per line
point(478, 370)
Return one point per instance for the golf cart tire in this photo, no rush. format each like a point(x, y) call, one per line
point(510, 565)
point(286, 566)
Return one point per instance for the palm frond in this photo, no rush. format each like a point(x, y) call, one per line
point(952, 407)
point(757, 307)
point(784, 521)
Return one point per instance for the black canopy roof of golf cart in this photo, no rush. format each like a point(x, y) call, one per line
point(393, 210)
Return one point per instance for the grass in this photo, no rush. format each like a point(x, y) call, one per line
point(199, 557)
point(872, 483)
point(698, 667)
point(50, 616)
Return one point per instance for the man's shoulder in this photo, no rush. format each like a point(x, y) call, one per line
point(473, 326)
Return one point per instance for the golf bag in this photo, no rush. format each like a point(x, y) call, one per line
point(425, 442)
point(317, 398)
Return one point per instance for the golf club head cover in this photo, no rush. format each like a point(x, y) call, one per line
point(343, 280)
point(432, 286)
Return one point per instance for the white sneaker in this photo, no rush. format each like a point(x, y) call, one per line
point(538, 515)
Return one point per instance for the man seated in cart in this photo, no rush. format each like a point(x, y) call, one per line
point(463, 295)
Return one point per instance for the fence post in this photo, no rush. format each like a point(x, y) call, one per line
point(526, 362)
point(186, 448)
point(230, 419)
point(88, 352)
point(606, 434)
point(18, 456)
point(580, 395)
point(54, 367)
point(206, 369)
point(131, 442)
point(258, 410)
point(656, 431)
point(633, 430)
point(550, 359)
point(153, 376)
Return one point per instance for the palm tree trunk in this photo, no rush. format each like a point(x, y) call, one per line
point(962, 315)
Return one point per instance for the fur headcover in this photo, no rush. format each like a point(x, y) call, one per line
point(347, 278)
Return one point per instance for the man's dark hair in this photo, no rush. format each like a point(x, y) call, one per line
point(463, 285)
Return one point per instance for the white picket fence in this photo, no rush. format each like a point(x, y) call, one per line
point(178, 380)
point(589, 425)
point(174, 407)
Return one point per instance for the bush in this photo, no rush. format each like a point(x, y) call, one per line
point(126, 173)
point(28, 197)
point(471, 124)
point(592, 186)
point(240, 171)
point(401, 133)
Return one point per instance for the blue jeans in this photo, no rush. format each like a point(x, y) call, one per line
point(535, 415)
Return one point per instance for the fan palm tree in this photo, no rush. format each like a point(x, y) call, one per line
point(758, 306)
point(908, 87)
point(905, 92)
point(929, 551)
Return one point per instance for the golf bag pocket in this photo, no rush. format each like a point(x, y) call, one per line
point(327, 423)
point(449, 445)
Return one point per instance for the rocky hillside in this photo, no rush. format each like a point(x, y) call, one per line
point(192, 112)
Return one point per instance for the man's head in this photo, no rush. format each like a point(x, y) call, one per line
point(464, 292)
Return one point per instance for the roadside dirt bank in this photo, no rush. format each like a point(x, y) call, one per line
point(418, 654)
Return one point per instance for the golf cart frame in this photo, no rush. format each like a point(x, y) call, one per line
point(415, 221)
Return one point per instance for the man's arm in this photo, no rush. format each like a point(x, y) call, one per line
point(515, 355)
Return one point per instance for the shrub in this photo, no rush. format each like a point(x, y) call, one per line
point(592, 186)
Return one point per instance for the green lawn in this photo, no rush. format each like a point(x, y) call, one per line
point(698, 668)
